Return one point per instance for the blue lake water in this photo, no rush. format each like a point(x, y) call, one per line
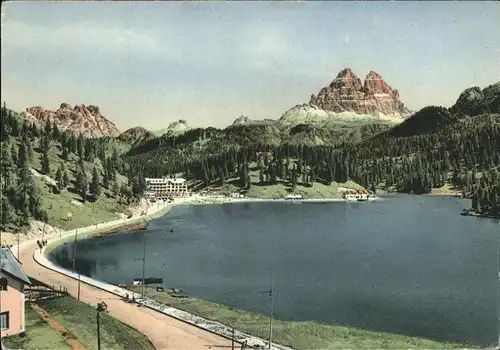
point(393, 265)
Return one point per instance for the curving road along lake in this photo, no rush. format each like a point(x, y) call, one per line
point(396, 265)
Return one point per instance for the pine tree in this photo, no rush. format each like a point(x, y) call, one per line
point(59, 179)
point(45, 161)
point(82, 185)
point(116, 188)
point(13, 153)
point(294, 177)
point(23, 207)
point(22, 154)
point(95, 187)
point(65, 153)
point(105, 179)
point(4, 135)
point(6, 213)
point(65, 178)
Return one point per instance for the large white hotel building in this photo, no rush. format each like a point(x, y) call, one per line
point(165, 188)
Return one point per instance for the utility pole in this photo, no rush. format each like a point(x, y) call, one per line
point(74, 250)
point(232, 338)
point(18, 256)
point(78, 285)
point(18, 232)
point(74, 261)
point(60, 221)
point(43, 233)
point(98, 330)
point(143, 269)
point(271, 309)
point(498, 292)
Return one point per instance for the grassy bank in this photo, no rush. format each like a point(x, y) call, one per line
point(39, 335)
point(316, 191)
point(299, 335)
point(128, 225)
point(80, 320)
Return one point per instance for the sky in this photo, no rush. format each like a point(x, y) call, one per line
point(151, 63)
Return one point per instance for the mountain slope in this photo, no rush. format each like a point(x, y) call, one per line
point(136, 136)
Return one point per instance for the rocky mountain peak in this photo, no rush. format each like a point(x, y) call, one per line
point(375, 84)
point(346, 79)
point(347, 93)
point(80, 119)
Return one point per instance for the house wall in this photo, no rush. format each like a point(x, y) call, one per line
point(12, 300)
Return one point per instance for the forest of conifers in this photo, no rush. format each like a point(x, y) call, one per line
point(457, 147)
point(464, 151)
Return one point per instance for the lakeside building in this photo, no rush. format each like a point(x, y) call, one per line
point(165, 188)
point(12, 282)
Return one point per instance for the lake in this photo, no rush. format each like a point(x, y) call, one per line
point(396, 265)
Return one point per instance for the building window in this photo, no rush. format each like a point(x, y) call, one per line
point(3, 283)
point(4, 320)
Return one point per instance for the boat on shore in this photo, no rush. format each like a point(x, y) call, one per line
point(293, 197)
point(358, 195)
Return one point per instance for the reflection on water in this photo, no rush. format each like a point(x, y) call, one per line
point(393, 265)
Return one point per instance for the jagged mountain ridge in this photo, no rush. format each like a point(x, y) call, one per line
point(346, 93)
point(81, 119)
point(346, 98)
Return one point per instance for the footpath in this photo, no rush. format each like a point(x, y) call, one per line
point(166, 327)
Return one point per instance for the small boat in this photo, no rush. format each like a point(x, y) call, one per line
point(147, 280)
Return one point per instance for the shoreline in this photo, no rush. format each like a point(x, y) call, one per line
point(189, 315)
point(159, 209)
point(477, 214)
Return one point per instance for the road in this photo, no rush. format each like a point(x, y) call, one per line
point(166, 333)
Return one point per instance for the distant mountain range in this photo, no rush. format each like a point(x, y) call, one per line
point(347, 107)
point(345, 99)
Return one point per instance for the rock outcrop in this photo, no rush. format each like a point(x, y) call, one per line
point(474, 101)
point(347, 93)
point(242, 119)
point(176, 128)
point(81, 119)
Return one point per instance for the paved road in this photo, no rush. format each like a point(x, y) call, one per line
point(166, 333)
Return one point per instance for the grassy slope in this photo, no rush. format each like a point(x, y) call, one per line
point(283, 187)
point(39, 335)
point(58, 205)
point(80, 319)
point(299, 335)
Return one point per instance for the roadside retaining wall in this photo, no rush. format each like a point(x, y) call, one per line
point(200, 322)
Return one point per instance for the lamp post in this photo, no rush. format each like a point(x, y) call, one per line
point(271, 307)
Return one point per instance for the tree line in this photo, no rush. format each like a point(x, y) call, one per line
point(463, 152)
point(64, 157)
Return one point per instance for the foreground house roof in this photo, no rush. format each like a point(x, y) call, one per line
point(11, 266)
